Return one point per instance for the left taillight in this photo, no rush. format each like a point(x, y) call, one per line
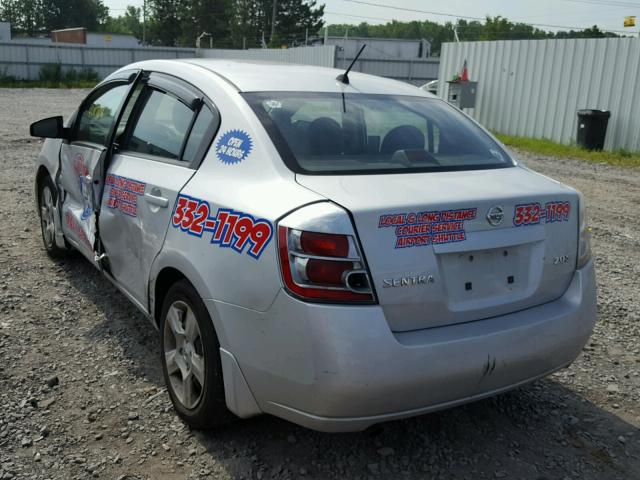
point(584, 236)
point(320, 266)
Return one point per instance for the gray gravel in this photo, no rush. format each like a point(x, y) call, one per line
point(81, 390)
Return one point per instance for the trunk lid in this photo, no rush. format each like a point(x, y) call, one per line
point(438, 254)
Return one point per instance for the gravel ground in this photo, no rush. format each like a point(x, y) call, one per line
point(82, 395)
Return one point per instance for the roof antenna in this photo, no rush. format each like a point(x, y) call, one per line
point(344, 77)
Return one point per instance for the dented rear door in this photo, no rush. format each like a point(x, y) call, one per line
point(160, 149)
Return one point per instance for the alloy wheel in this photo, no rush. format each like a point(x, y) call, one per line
point(47, 217)
point(184, 354)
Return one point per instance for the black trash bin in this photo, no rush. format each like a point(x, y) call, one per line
point(592, 128)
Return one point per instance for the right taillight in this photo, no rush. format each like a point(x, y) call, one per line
point(323, 266)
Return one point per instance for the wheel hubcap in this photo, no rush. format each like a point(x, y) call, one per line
point(46, 216)
point(184, 355)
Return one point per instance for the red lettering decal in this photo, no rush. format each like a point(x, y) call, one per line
point(201, 214)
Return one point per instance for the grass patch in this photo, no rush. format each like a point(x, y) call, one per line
point(53, 76)
point(547, 147)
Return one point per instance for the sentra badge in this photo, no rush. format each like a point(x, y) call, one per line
point(408, 281)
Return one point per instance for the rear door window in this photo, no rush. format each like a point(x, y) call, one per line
point(162, 126)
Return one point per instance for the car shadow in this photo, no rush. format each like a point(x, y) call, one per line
point(541, 431)
point(124, 323)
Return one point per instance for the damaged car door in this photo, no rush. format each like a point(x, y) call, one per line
point(82, 160)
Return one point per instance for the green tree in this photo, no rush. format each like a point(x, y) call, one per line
point(593, 32)
point(129, 23)
point(31, 17)
point(165, 22)
point(210, 16)
point(247, 24)
point(493, 28)
point(58, 14)
point(9, 11)
point(26, 16)
point(294, 18)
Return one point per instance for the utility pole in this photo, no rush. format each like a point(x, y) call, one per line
point(273, 19)
point(306, 37)
point(144, 22)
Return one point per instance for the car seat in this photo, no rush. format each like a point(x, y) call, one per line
point(404, 137)
point(325, 137)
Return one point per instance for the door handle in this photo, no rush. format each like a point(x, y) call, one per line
point(156, 200)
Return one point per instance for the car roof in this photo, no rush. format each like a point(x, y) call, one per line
point(257, 76)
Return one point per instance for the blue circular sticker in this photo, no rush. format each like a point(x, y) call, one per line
point(234, 146)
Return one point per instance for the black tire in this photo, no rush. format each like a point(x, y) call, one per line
point(47, 199)
point(210, 410)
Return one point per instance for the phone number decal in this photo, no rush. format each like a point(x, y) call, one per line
point(229, 228)
point(534, 213)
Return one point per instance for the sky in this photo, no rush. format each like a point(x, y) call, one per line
point(576, 14)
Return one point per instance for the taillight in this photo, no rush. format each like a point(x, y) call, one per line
point(584, 236)
point(323, 266)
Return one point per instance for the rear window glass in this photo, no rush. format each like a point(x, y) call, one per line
point(327, 133)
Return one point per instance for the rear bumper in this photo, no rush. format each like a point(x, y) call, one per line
point(337, 368)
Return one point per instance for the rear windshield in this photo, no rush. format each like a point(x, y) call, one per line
point(332, 133)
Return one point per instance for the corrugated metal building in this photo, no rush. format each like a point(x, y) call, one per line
point(405, 60)
point(115, 40)
point(73, 36)
point(381, 48)
point(322, 56)
point(93, 39)
point(5, 31)
point(24, 60)
point(534, 88)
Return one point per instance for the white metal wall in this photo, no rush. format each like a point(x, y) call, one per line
point(381, 48)
point(533, 88)
point(5, 31)
point(23, 60)
point(417, 71)
point(322, 56)
point(111, 40)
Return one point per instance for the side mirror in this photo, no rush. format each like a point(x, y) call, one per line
point(52, 127)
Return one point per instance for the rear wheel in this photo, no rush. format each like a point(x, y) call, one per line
point(191, 359)
point(47, 200)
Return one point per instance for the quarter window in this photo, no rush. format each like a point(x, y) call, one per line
point(202, 126)
point(162, 126)
point(97, 119)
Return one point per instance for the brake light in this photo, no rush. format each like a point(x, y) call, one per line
point(323, 266)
